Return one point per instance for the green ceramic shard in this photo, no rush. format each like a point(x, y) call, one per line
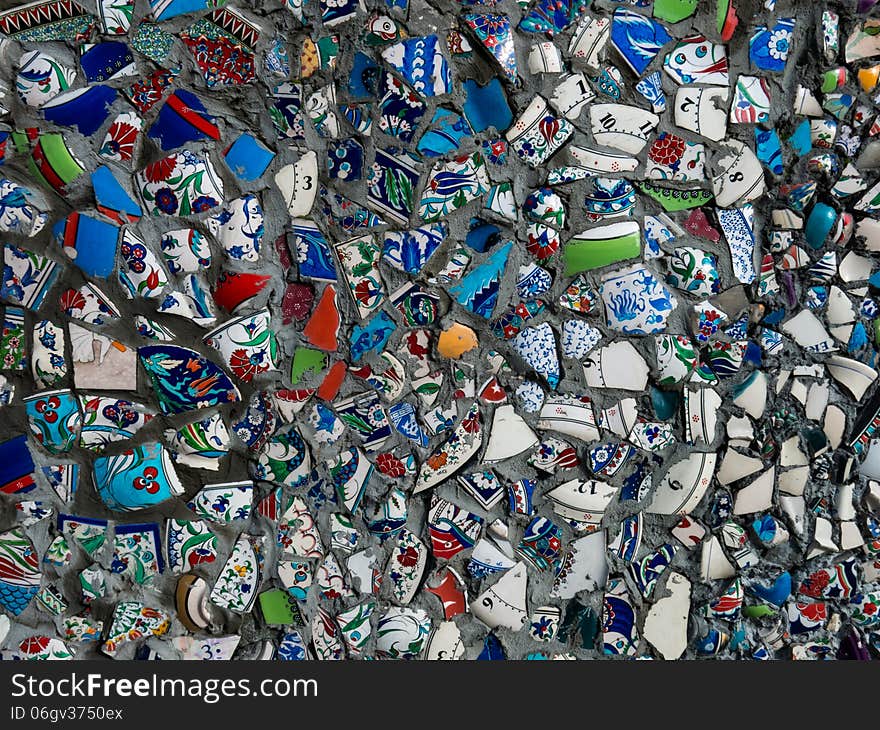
point(598, 247)
point(305, 360)
point(673, 11)
point(673, 199)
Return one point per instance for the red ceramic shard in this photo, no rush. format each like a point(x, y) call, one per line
point(323, 326)
point(727, 19)
point(234, 289)
point(283, 252)
point(297, 302)
point(492, 392)
point(270, 505)
point(698, 224)
point(329, 389)
point(450, 593)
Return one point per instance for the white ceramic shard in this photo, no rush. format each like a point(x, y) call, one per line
point(570, 416)
point(823, 541)
point(701, 408)
point(584, 567)
point(740, 178)
point(510, 435)
point(503, 605)
point(757, 496)
point(584, 501)
point(667, 620)
point(752, 397)
point(618, 365)
point(703, 110)
point(735, 466)
point(794, 508)
point(622, 127)
point(684, 485)
point(298, 183)
point(445, 643)
point(620, 417)
point(714, 564)
point(853, 375)
point(793, 481)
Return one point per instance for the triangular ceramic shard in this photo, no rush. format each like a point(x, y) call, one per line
point(450, 456)
point(504, 604)
point(478, 290)
point(494, 33)
point(714, 564)
point(509, 437)
point(537, 346)
point(298, 183)
point(584, 567)
point(684, 485)
point(584, 501)
point(636, 38)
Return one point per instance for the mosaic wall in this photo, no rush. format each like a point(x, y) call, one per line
point(439, 329)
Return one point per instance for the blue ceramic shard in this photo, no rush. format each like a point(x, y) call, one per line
point(165, 9)
point(345, 160)
point(312, 252)
point(486, 106)
point(421, 64)
point(478, 290)
point(800, 139)
point(481, 235)
point(448, 129)
point(778, 593)
point(769, 149)
point(409, 251)
point(493, 31)
point(248, 158)
point(16, 466)
point(651, 87)
point(552, 16)
point(768, 47)
point(104, 61)
point(372, 336)
point(637, 38)
point(89, 242)
point(492, 650)
point(400, 110)
point(363, 81)
point(184, 380)
point(85, 109)
point(182, 118)
point(404, 418)
point(111, 198)
point(141, 477)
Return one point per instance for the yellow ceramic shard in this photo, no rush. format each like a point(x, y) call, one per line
point(309, 62)
point(868, 77)
point(456, 341)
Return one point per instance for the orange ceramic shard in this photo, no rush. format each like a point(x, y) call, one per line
point(456, 341)
point(329, 389)
point(868, 78)
point(323, 326)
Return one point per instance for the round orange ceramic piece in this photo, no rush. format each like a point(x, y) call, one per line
point(456, 341)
